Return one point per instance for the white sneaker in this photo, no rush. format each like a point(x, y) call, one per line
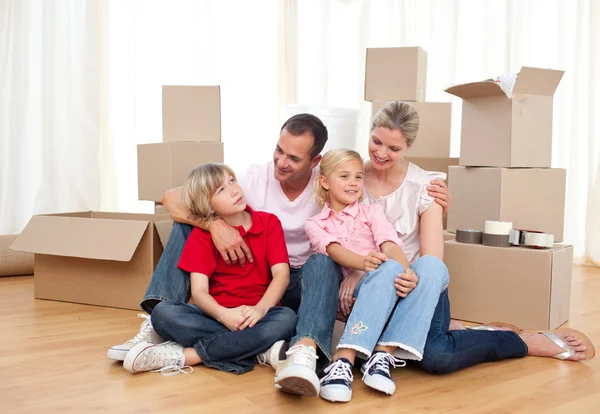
point(166, 358)
point(376, 371)
point(335, 385)
point(297, 374)
point(274, 355)
point(146, 334)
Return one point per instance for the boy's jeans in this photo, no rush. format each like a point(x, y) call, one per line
point(216, 345)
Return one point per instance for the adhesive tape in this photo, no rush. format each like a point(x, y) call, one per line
point(469, 236)
point(502, 228)
point(514, 237)
point(496, 240)
point(540, 240)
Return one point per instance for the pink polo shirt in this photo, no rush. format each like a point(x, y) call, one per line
point(360, 228)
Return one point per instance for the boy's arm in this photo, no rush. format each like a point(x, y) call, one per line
point(277, 287)
point(231, 318)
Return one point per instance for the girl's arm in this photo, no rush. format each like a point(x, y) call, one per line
point(231, 318)
point(431, 238)
point(277, 287)
point(351, 260)
point(394, 252)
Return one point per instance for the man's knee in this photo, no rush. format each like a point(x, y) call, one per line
point(321, 269)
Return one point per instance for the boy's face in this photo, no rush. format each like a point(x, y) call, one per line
point(345, 183)
point(292, 157)
point(228, 199)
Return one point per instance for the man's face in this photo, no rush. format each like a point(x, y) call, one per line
point(292, 157)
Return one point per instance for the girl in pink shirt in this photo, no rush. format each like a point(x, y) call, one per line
point(359, 238)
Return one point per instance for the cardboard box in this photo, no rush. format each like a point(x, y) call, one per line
point(160, 209)
point(95, 258)
point(527, 287)
point(433, 164)
point(448, 235)
point(531, 198)
point(166, 165)
point(433, 139)
point(501, 132)
point(396, 73)
point(191, 113)
point(14, 263)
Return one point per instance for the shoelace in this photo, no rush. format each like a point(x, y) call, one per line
point(263, 358)
point(174, 362)
point(382, 361)
point(338, 370)
point(171, 370)
point(302, 355)
point(145, 328)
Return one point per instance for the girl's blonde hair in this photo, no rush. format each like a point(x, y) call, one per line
point(199, 187)
point(330, 161)
point(401, 116)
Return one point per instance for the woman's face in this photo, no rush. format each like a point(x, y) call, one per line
point(386, 147)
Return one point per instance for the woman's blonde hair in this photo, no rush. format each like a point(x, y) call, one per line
point(330, 161)
point(199, 187)
point(398, 115)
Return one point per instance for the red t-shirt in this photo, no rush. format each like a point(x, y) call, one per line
point(234, 285)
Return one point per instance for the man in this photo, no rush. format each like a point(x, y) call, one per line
point(283, 187)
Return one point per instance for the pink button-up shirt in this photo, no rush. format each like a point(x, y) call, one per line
point(359, 228)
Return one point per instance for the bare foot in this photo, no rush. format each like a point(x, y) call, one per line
point(456, 326)
point(540, 345)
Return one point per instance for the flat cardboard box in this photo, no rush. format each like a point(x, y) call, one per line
point(14, 263)
point(104, 259)
point(433, 139)
point(530, 288)
point(530, 198)
point(396, 73)
point(191, 113)
point(164, 166)
point(502, 132)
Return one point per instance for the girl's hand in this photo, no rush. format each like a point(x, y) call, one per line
point(373, 260)
point(252, 314)
point(406, 282)
point(347, 288)
point(232, 318)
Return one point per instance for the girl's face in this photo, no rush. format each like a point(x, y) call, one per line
point(386, 147)
point(228, 199)
point(345, 183)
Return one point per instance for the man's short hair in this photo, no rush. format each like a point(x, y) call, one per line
point(306, 123)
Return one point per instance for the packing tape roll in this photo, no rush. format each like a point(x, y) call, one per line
point(539, 240)
point(495, 240)
point(469, 236)
point(514, 237)
point(502, 228)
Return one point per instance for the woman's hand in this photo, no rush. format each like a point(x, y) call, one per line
point(372, 261)
point(229, 243)
point(439, 190)
point(347, 288)
point(406, 282)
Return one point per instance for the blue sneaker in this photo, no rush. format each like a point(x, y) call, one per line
point(376, 371)
point(335, 385)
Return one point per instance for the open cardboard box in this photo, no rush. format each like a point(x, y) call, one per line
point(96, 258)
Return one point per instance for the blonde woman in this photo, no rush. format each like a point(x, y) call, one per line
point(234, 315)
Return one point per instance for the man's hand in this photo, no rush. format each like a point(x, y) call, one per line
point(252, 314)
point(372, 261)
point(439, 190)
point(229, 243)
point(347, 288)
point(406, 282)
point(232, 318)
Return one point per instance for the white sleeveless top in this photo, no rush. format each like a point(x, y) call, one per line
point(405, 205)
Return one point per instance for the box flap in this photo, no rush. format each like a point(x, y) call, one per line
point(476, 89)
point(164, 231)
point(81, 237)
point(536, 81)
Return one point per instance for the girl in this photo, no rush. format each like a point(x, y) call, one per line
point(234, 316)
point(358, 236)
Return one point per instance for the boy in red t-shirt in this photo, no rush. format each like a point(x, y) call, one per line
point(235, 314)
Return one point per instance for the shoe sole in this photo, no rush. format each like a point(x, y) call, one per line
point(379, 384)
point(117, 354)
point(297, 386)
point(336, 395)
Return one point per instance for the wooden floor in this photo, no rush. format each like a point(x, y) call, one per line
point(53, 359)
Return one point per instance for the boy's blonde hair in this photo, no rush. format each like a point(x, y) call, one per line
point(398, 115)
point(199, 187)
point(330, 161)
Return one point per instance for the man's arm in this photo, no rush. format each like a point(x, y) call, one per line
point(177, 209)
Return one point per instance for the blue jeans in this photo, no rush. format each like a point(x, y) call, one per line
point(379, 317)
point(448, 351)
point(217, 346)
point(169, 282)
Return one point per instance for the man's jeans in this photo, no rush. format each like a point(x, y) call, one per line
point(379, 317)
point(216, 345)
point(448, 351)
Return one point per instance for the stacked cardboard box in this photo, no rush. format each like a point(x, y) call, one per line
point(191, 136)
point(400, 74)
point(505, 175)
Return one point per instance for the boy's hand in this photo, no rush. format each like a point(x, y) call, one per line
point(373, 260)
point(252, 314)
point(406, 282)
point(232, 318)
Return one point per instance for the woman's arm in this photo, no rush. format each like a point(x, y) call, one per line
point(431, 238)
